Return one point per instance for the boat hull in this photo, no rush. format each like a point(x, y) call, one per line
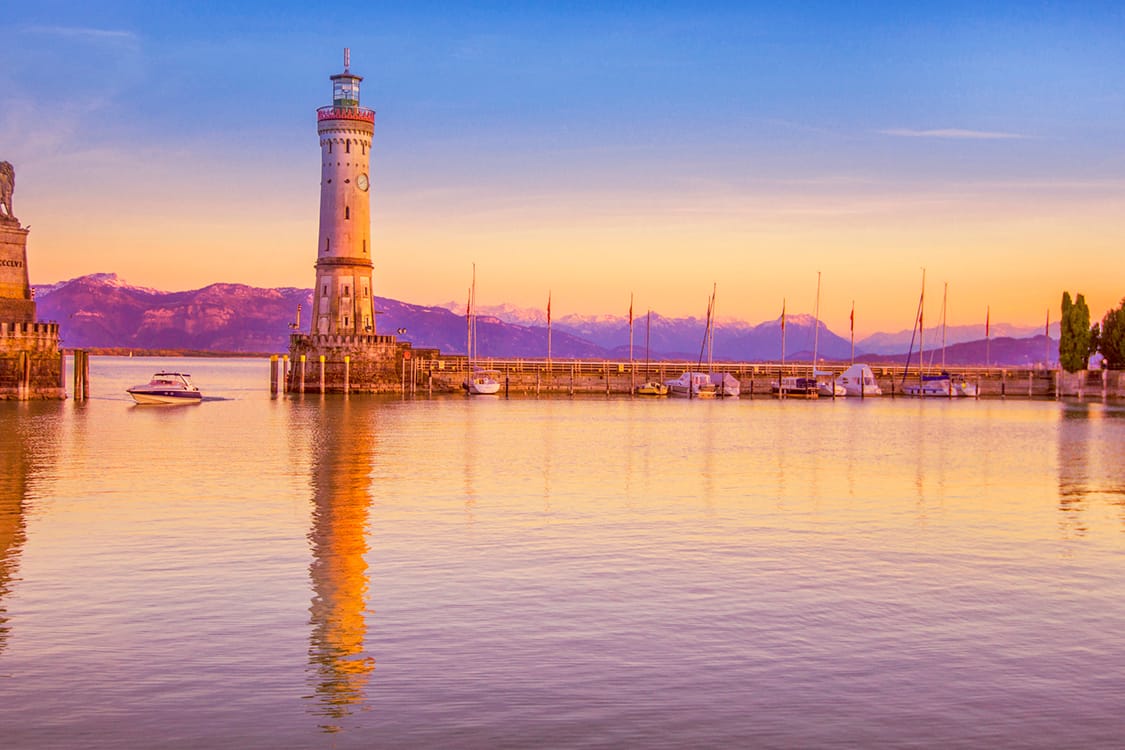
point(165, 397)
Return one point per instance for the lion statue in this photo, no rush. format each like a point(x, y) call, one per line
point(7, 187)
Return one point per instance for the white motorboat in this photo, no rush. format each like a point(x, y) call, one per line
point(692, 385)
point(167, 388)
point(858, 380)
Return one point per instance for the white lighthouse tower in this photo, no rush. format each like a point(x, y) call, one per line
point(341, 351)
point(342, 295)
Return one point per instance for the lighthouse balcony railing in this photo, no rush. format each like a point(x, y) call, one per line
point(346, 113)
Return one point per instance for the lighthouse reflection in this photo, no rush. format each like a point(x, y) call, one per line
point(342, 454)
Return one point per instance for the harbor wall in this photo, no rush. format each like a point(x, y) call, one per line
point(30, 362)
point(427, 372)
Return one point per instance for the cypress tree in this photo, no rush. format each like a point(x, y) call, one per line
point(1074, 333)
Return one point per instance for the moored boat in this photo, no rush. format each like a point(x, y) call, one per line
point(726, 385)
point(859, 380)
point(167, 388)
point(792, 386)
point(482, 383)
point(651, 388)
point(828, 388)
point(941, 386)
point(692, 385)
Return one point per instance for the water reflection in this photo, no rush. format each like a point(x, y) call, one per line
point(343, 451)
point(1074, 468)
point(30, 432)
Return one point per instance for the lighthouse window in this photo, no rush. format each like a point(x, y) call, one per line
point(347, 290)
point(327, 243)
point(345, 321)
point(347, 147)
point(363, 147)
point(325, 292)
point(347, 212)
point(365, 247)
point(330, 147)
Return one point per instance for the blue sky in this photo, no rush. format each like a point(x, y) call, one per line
point(652, 148)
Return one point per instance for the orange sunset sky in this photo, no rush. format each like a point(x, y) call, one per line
point(591, 152)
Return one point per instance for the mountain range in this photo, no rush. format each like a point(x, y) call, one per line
point(100, 311)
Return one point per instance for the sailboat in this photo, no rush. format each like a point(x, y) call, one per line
point(651, 387)
point(829, 388)
point(942, 385)
point(726, 385)
point(478, 382)
point(696, 384)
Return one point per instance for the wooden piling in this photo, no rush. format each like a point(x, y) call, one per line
point(273, 374)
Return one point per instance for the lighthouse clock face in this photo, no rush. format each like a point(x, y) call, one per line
point(361, 182)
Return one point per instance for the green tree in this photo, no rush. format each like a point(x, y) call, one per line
point(1111, 341)
point(1074, 333)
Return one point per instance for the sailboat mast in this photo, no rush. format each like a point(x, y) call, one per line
point(944, 299)
point(711, 327)
point(473, 317)
point(816, 325)
point(921, 330)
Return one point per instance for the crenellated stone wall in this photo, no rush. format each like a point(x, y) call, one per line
point(365, 363)
point(30, 363)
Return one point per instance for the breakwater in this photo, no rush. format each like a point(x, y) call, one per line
point(421, 373)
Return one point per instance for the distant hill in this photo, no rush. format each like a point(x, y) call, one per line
point(101, 311)
point(1002, 351)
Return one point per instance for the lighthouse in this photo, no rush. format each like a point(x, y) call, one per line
point(341, 352)
point(342, 302)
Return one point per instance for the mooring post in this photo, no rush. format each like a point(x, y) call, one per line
point(285, 373)
point(85, 375)
point(347, 373)
point(322, 373)
point(62, 370)
point(273, 374)
point(304, 358)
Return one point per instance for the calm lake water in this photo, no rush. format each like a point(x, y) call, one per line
point(371, 572)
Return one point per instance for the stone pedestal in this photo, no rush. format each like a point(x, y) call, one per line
point(30, 365)
point(352, 364)
point(16, 304)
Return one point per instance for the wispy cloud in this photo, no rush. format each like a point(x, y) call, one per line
point(955, 133)
point(90, 34)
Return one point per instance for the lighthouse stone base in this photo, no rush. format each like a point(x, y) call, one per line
point(351, 363)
